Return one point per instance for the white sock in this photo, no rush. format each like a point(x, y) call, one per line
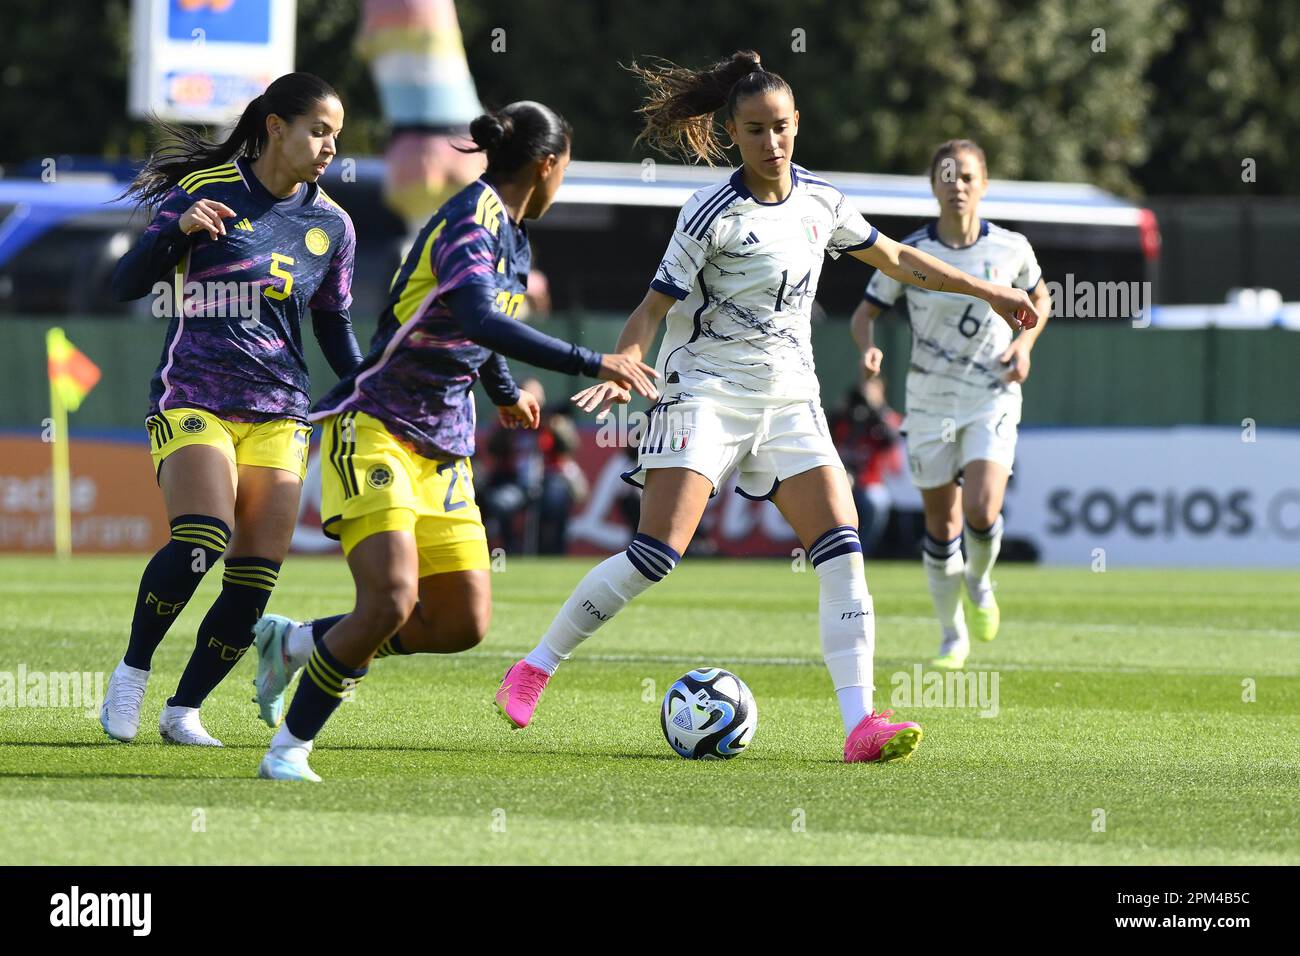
point(982, 549)
point(848, 621)
point(299, 643)
point(128, 671)
point(606, 590)
point(943, 568)
point(284, 738)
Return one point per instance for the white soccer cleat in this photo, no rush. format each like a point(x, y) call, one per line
point(287, 763)
point(120, 713)
point(181, 725)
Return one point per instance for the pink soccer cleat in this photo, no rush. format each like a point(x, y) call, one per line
point(519, 692)
point(875, 738)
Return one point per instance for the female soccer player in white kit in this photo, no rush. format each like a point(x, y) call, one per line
point(963, 392)
point(738, 387)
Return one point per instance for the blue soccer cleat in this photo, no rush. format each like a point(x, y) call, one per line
point(275, 672)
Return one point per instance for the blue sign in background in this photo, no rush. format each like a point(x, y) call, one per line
point(243, 21)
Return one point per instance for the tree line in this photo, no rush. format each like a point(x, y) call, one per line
point(1153, 97)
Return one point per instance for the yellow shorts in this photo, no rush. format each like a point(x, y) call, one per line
point(276, 444)
point(372, 482)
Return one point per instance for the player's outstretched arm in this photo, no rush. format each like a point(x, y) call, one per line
point(1016, 356)
point(863, 327)
point(633, 343)
point(472, 308)
point(910, 265)
point(497, 380)
point(1042, 300)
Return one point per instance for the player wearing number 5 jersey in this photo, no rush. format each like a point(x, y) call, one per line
point(396, 485)
point(963, 392)
point(244, 243)
point(740, 391)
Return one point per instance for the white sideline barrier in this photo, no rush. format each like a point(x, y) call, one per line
point(1187, 496)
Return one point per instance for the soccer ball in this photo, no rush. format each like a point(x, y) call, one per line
point(709, 714)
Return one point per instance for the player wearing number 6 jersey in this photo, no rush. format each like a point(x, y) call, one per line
point(244, 243)
point(740, 391)
point(396, 485)
point(963, 392)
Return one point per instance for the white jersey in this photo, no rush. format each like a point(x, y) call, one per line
point(745, 274)
point(957, 339)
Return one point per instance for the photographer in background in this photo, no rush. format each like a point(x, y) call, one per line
point(533, 475)
point(865, 430)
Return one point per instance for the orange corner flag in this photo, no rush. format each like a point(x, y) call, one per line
point(72, 375)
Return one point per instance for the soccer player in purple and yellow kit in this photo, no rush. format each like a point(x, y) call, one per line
point(396, 484)
point(243, 244)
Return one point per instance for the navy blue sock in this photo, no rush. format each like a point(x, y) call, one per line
point(320, 627)
point(842, 539)
point(227, 629)
point(322, 687)
point(391, 647)
point(652, 557)
point(169, 580)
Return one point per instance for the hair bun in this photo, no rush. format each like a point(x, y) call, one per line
point(490, 130)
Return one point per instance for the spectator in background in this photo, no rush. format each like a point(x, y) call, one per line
point(563, 485)
point(533, 482)
point(865, 430)
point(506, 488)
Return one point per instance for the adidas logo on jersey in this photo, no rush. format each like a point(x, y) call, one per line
point(244, 224)
point(750, 240)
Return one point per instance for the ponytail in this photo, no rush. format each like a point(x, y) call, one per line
point(517, 135)
point(187, 151)
point(680, 103)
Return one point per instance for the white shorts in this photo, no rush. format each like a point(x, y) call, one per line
point(767, 444)
point(939, 448)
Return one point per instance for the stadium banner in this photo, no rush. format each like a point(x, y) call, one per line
point(1170, 497)
point(201, 61)
point(116, 506)
point(1097, 497)
point(1102, 498)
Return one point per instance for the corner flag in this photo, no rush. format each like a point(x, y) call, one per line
point(72, 376)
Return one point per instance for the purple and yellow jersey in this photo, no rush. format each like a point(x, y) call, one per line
point(421, 367)
point(234, 345)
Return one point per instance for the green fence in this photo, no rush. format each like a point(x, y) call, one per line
point(1083, 373)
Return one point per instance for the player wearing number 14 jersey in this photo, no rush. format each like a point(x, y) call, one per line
point(740, 391)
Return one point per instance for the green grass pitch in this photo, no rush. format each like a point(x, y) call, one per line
point(1125, 732)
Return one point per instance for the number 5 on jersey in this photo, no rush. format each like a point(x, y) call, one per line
point(278, 261)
